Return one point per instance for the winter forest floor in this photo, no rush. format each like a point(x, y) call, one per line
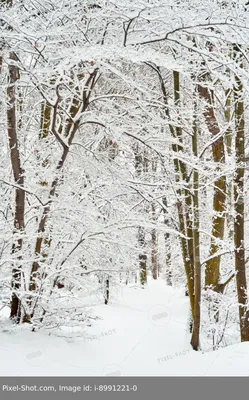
point(141, 333)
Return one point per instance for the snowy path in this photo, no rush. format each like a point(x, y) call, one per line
point(143, 334)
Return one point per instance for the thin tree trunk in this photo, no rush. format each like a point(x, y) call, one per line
point(168, 265)
point(169, 274)
point(142, 257)
point(12, 123)
point(107, 290)
point(15, 312)
point(196, 241)
point(154, 244)
point(184, 200)
point(141, 167)
point(239, 207)
point(183, 169)
point(184, 206)
point(154, 260)
point(228, 141)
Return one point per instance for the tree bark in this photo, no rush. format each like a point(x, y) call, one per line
point(184, 199)
point(212, 273)
point(228, 141)
point(196, 245)
point(239, 206)
point(142, 257)
point(184, 203)
point(140, 167)
point(168, 265)
point(107, 290)
point(15, 312)
point(154, 241)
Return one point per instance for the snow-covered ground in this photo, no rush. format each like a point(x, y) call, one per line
point(143, 333)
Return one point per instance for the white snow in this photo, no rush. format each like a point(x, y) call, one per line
point(143, 333)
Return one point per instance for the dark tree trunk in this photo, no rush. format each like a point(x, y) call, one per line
point(142, 257)
point(212, 273)
point(15, 312)
point(195, 340)
point(239, 208)
point(107, 290)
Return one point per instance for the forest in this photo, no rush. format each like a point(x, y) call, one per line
point(124, 157)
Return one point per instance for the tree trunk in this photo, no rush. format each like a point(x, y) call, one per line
point(183, 169)
point(212, 273)
point(184, 199)
point(184, 206)
point(168, 266)
point(154, 261)
point(154, 244)
point(197, 265)
point(142, 257)
point(239, 207)
point(228, 141)
point(45, 120)
point(15, 312)
point(141, 166)
point(107, 290)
